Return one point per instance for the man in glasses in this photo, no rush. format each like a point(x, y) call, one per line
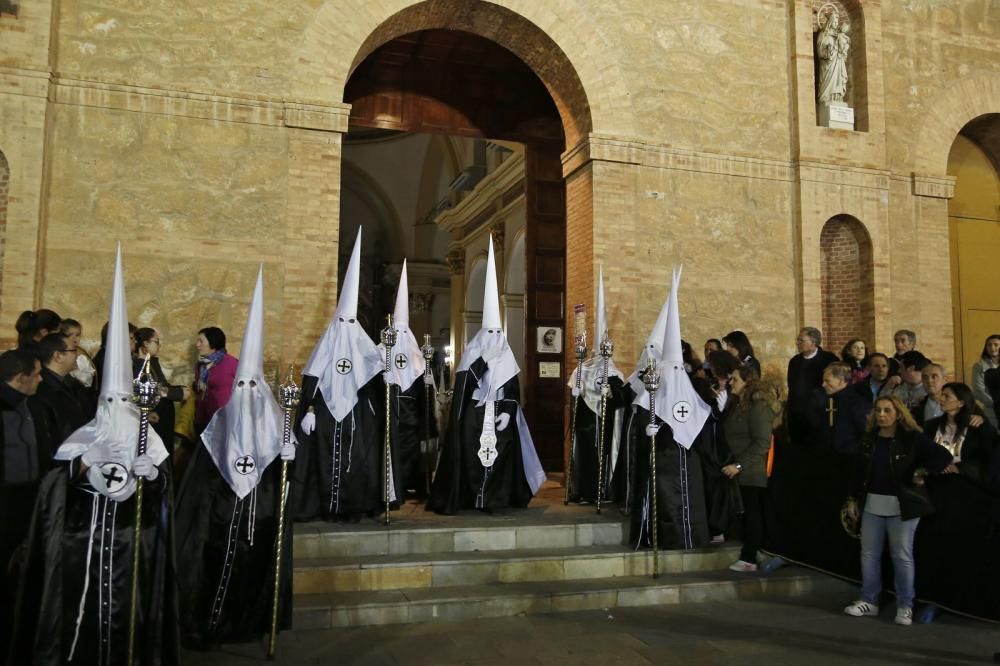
point(60, 403)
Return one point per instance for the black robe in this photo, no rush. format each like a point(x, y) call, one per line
point(58, 571)
point(215, 528)
point(681, 510)
point(339, 466)
point(414, 423)
point(461, 481)
point(583, 478)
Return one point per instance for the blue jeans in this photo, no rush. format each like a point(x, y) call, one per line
point(873, 532)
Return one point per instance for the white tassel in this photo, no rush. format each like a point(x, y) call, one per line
point(86, 577)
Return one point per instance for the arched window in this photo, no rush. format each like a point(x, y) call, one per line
point(848, 285)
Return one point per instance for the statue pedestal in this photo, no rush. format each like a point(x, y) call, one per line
point(836, 115)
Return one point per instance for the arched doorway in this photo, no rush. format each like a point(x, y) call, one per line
point(974, 231)
point(460, 84)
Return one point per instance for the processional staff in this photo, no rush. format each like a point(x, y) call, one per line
point(580, 347)
point(288, 398)
point(607, 348)
point(427, 351)
point(388, 341)
point(146, 395)
point(651, 379)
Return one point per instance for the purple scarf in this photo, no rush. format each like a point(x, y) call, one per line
point(207, 363)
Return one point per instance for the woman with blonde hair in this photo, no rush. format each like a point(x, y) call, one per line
point(889, 497)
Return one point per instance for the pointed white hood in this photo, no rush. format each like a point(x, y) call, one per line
point(677, 403)
point(654, 343)
point(490, 343)
point(345, 358)
point(591, 368)
point(244, 437)
point(114, 432)
point(407, 360)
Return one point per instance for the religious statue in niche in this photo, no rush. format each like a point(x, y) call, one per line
point(833, 47)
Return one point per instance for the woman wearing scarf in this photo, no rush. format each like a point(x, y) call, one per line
point(215, 374)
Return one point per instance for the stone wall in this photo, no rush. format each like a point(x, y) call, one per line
point(207, 138)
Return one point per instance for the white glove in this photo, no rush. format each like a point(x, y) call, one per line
point(308, 423)
point(143, 466)
point(652, 429)
point(288, 450)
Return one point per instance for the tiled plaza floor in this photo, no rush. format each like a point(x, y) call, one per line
point(808, 631)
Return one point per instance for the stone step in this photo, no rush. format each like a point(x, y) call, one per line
point(465, 602)
point(318, 540)
point(389, 572)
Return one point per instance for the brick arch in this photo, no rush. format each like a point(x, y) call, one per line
point(847, 282)
point(949, 112)
point(588, 92)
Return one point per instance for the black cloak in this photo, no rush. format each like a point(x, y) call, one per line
point(461, 481)
point(681, 509)
point(583, 478)
point(80, 549)
point(339, 465)
point(226, 556)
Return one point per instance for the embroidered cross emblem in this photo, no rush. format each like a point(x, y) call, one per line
point(114, 475)
point(401, 361)
point(681, 411)
point(344, 366)
point(245, 465)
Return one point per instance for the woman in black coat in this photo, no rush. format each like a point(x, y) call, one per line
point(971, 443)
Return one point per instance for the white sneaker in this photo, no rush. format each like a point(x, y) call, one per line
point(904, 616)
point(743, 567)
point(862, 609)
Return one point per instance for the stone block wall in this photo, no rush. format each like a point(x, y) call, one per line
point(207, 138)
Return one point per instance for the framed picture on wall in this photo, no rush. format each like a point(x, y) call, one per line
point(549, 340)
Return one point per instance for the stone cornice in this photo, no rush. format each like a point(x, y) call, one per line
point(26, 82)
point(625, 150)
point(935, 187)
point(843, 175)
point(258, 110)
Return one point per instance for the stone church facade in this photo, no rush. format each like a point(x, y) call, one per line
point(207, 137)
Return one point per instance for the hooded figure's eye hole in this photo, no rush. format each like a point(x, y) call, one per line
point(350, 321)
point(124, 399)
point(240, 383)
point(253, 383)
point(110, 399)
point(341, 319)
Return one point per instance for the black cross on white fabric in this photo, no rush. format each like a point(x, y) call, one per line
point(114, 475)
point(682, 410)
point(344, 366)
point(401, 361)
point(245, 465)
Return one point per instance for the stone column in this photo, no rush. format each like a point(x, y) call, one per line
point(456, 266)
point(313, 223)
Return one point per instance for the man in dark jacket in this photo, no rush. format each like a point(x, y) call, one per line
point(805, 375)
point(26, 456)
point(56, 399)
